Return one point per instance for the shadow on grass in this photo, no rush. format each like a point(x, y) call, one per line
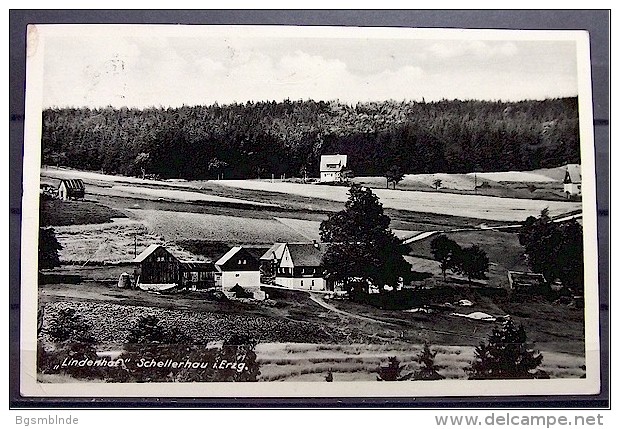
point(57, 278)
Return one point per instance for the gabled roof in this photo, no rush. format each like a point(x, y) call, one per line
point(255, 251)
point(306, 254)
point(73, 184)
point(274, 252)
point(333, 162)
point(232, 252)
point(573, 173)
point(146, 252)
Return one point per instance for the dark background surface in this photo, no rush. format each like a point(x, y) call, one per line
point(596, 22)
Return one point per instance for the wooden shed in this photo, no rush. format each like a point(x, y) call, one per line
point(198, 274)
point(71, 189)
point(157, 266)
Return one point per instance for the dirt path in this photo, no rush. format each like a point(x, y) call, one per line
point(330, 307)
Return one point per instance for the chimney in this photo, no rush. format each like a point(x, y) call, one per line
point(315, 244)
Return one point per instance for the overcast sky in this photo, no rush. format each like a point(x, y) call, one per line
point(151, 70)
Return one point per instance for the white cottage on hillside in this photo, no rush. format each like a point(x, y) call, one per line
point(332, 167)
point(572, 180)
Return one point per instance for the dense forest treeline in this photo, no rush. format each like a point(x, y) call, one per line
point(264, 138)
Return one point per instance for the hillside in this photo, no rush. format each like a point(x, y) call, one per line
point(259, 139)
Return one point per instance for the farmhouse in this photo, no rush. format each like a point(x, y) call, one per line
point(71, 189)
point(332, 167)
point(238, 268)
point(294, 265)
point(572, 180)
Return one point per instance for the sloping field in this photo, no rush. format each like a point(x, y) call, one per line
point(310, 228)
point(68, 173)
point(229, 229)
point(110, 323)
point(108, 242)
point(182, 195)
point(412, 182)
point(515, 176)
point(422, 265)
point(557, 173)
point(473, 206)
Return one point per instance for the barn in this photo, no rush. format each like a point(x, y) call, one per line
point(71, 189)
point(332, 167)
point(157, 269)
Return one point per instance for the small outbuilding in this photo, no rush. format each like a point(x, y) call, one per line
point(71, 189)
point(534, 283)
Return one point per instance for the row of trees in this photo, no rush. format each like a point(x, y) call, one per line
point(259, 139)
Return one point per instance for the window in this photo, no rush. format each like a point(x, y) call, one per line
point(301, 283)
point(237, 275)
point(312, 282)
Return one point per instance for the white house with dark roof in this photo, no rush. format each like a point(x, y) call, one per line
point(572, 180)
point(238, 268)
point(332, 167)
point(296, 265)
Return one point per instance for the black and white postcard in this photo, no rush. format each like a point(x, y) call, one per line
point(255, 211)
